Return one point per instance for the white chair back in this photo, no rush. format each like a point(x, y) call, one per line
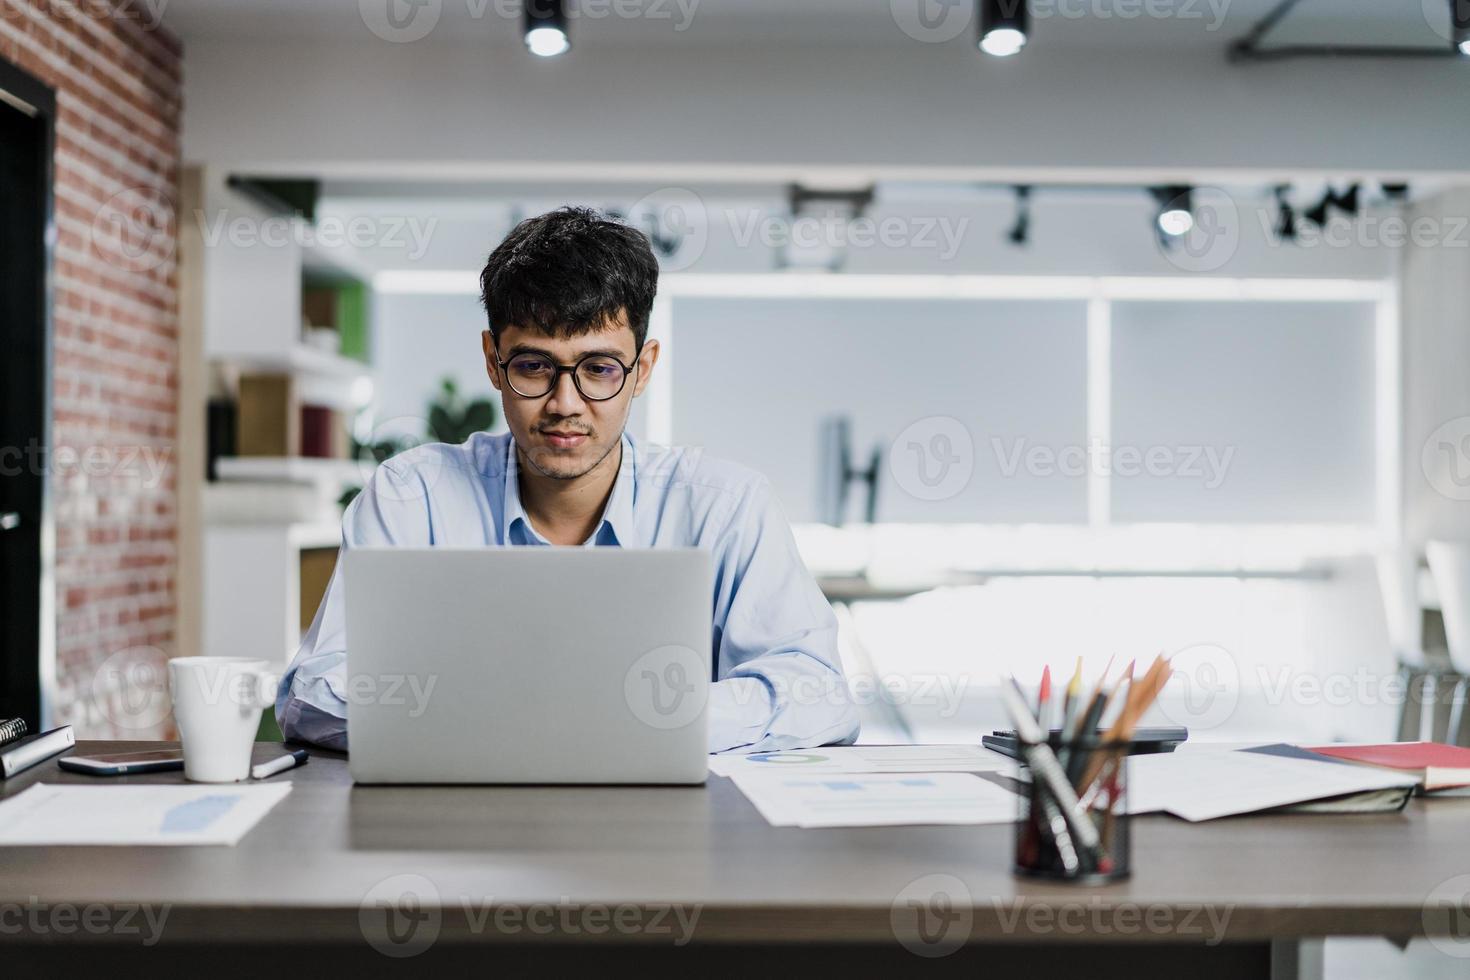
point(1449, 563)
point(1398, 580)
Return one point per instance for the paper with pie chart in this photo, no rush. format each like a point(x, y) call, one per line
point(866, 759)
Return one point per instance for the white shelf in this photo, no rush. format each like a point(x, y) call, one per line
point(298, 360)
point(291, 469)
point(336, 261)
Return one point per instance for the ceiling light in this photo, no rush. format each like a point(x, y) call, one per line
point(1460, 24)
point(1020, 232)
point(1286, 214)
point(1176, 210)
point(1317, 213)
point(546, 27)
point(1003, 26)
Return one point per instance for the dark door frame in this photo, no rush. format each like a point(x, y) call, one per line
point(27, 684)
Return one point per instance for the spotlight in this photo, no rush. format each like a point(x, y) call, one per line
point(1346, 202)
point(1003, 26)
point(1460, 19)
point(1317, 213)
point(1396, 193)
point(1020, 232)
point(1285, 214)
point(1176, 209)
point(546, 27)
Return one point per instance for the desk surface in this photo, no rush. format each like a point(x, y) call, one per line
point(304, 871)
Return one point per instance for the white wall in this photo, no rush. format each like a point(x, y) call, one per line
point(1005, 370)
point(1435, 297)
point(769, 111)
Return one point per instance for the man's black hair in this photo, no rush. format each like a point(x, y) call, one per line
point(569, 272)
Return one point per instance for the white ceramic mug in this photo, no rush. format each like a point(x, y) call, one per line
point(217, 704)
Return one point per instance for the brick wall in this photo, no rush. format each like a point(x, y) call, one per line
point(118, 80)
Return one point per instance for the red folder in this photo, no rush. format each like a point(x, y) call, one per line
point(1438, 766)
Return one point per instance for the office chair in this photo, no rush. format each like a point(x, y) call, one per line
point(1449, 564)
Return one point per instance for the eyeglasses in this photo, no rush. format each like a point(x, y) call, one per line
point(598, 377)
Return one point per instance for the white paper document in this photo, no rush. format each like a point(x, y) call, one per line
point(134, 815)
point(1206, 785)
point(876, 799)
point(867, 758)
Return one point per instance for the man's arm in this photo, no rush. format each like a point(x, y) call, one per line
point(780, 679)
point(311, 705)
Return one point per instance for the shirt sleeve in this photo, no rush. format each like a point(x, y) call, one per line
point(311, 705)
point(779, 677)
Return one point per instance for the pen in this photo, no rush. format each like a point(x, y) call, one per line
point(1044, 766)
point(1074, 693)
point(296, 757)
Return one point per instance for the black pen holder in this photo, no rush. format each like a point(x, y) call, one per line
point(1074, 823)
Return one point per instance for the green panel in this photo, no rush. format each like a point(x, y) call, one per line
point(269, 731)
point(352, 322)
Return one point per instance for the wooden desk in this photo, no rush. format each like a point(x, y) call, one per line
point(566, 878)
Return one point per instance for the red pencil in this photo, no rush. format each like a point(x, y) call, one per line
point(1042, 698)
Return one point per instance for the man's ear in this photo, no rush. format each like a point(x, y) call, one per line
point(647, 358)
point(492, 363)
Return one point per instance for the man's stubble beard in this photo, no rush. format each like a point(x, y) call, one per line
point(530, 460)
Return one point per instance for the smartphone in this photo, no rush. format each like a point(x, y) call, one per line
point(124, 763)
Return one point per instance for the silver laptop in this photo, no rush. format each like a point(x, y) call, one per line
point(528, 665)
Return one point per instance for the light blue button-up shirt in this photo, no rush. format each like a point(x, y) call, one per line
point(778, 679)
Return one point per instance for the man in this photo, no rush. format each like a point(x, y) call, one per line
point(568, 295)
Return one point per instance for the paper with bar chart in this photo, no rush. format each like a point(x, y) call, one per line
point(136, 815)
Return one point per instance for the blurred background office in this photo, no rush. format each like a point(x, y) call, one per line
point(1095, 328)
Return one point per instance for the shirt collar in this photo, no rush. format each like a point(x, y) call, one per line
point(616, 526)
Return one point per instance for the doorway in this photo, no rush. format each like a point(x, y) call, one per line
point(27, 134)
